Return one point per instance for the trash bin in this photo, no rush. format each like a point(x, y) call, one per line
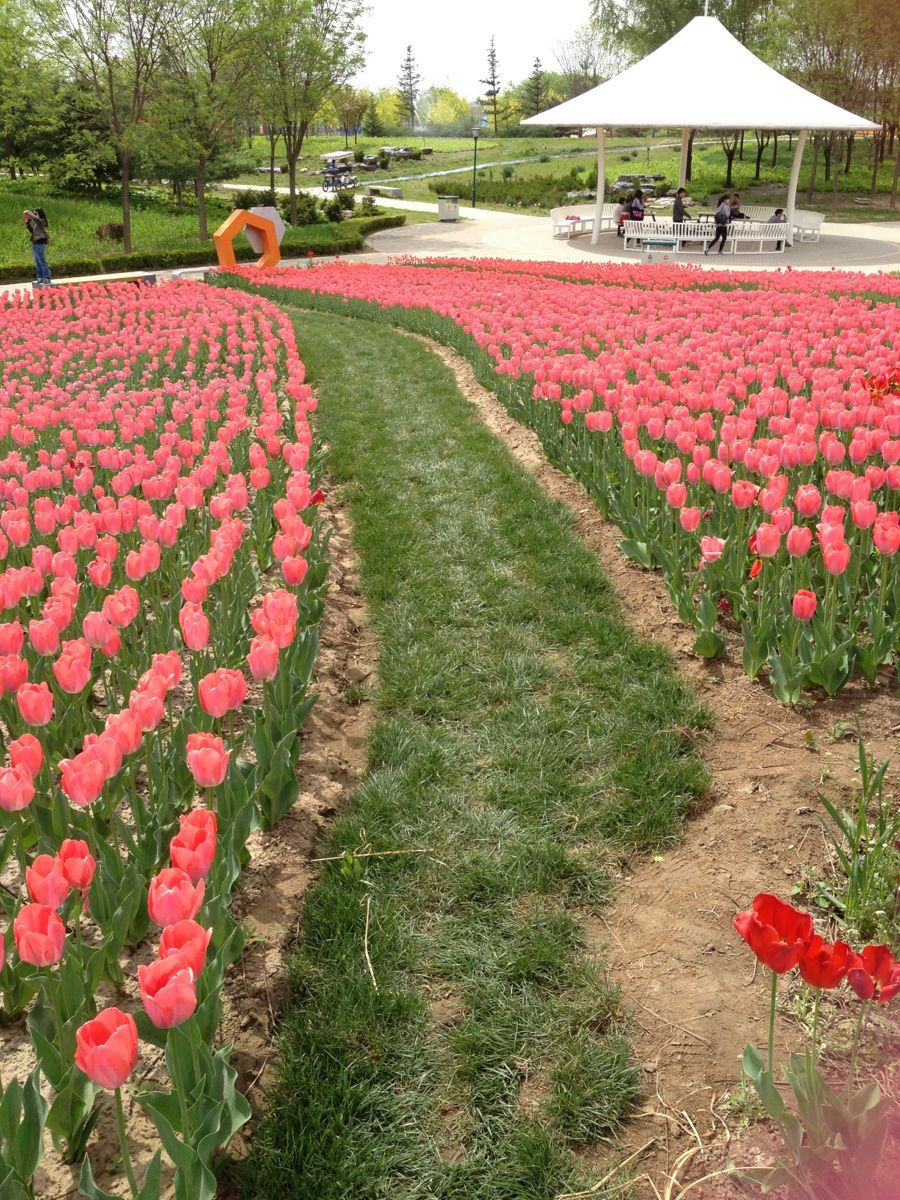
point(448, 208)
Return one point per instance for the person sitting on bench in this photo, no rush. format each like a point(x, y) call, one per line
point(778, 218)
point(734, 206)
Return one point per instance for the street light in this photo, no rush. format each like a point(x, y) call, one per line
point(475, 113)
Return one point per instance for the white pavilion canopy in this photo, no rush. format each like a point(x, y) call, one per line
point(702, 78)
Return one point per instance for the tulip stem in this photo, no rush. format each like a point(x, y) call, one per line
point(857, 1035)
point(815, 1022)
point(123, 1143)
point(772, 1023)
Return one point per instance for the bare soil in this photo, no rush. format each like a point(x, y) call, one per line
point(269, 897)
point(668, 938)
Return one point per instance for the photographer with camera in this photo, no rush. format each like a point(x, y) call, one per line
point(38, 230)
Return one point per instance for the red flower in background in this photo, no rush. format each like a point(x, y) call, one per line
point(874, 974)
point(824, 966)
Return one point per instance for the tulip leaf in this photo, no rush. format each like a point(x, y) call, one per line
point(87, 1185)
point(767, 1179)
point(709, 644)
point(637, 551)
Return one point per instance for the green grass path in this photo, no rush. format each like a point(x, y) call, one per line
point(526, 736)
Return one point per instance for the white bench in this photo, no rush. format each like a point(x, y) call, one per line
point(744, 237)
point(380, 189)
point(567, 221)
point(807, 225)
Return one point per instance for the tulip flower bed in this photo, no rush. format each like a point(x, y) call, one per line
point(160, 559)
point(743, 433)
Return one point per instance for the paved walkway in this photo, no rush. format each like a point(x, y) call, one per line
point(484, 233)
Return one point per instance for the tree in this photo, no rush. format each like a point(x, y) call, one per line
point(311, 49)
point(535, 90)
point(763, 137)
point(117, 47)
point(492, 87)
point(372, 126)
point(729, 142)
point(589, 57)
point(408, 87)
point(444, 111)
point(350, 106)
point(209, 53)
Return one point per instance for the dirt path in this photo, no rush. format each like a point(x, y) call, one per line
point(668, 938)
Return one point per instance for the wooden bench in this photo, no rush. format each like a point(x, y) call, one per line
point(380, 189)
point(575, 219)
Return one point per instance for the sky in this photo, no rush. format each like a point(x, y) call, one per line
point(450, 39)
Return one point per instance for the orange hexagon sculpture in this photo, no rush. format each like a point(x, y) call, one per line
point(240, 219)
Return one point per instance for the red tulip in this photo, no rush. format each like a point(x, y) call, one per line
point(44, 637)
point(777, 934)
point(39, 934)
point(189, 941)
point(263, 658)
point(167, 991)
point(16, 788)
point(194, 626)
point(193, 849)
point(221, 691)
point(83, 777)
point(207, 759)
point(26, 751)
point(874, 974)
point(77, 863)
point(107, 1048)
point(172, 897)
point(46, 881)
point(711, 548)
point(35, 702)
point(824, 966)
point(804, 605)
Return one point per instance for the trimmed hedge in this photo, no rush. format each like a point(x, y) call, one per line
point(325, 238)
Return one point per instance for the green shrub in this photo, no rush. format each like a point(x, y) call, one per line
point(347, 199)
point(333, 209)
point(21, 272)
point(308, 209)
point(384, 161)
point(508, 171)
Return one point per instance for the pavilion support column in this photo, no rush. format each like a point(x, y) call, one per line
point(795, 177)
point(682, 166)
point(601, 184)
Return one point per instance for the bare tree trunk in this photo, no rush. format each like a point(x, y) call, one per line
point(896, 181)
point(876, 162)
point(775, 149)
point(126, 201)
point(836, 173)
point(292, 184)
point(850, 140)
point(827, 143)
point(892, 131)
point(741, 147)
point(690, 156)
point(201, 199)
point(729, 156)
point(812, 172)
point(273, 137)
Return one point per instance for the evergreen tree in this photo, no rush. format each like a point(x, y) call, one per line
point(535, 90)
point(492, 87)
point(372, 126)
point(408, 85)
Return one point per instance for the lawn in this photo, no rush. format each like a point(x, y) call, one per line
point(525, 737)
point(647, 154)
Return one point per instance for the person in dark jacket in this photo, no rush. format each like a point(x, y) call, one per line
point(679, 213)
point(39, 231)
point(722, 219)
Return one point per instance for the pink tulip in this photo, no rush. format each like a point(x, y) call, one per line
point(173, 897)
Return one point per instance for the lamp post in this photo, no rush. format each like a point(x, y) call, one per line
point(475, 113)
